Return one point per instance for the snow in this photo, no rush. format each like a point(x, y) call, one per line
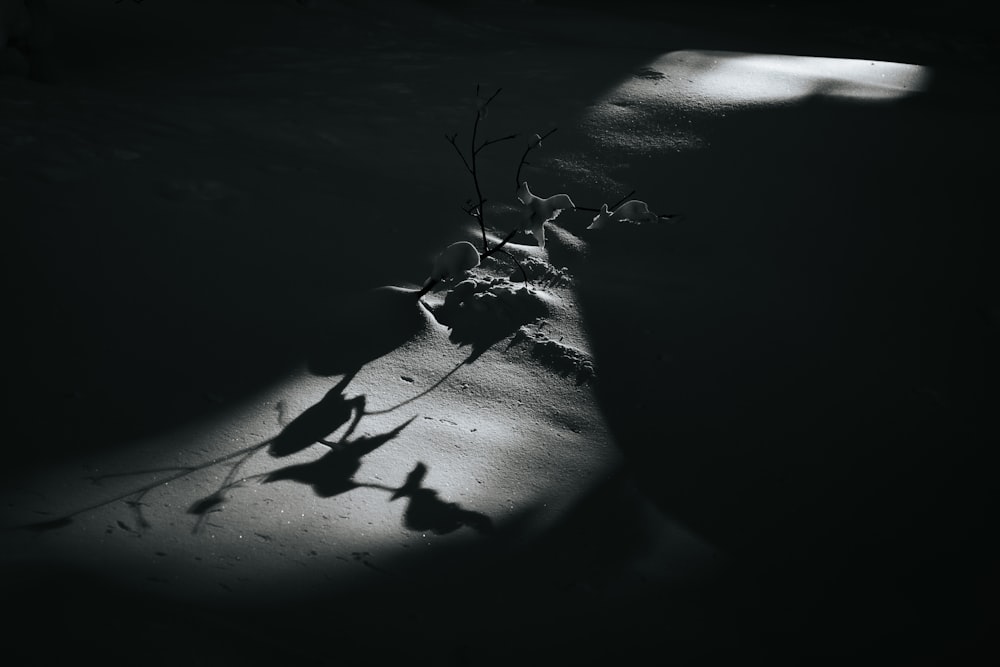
point(240, 429)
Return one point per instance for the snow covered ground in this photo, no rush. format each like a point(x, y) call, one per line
point(754, 430)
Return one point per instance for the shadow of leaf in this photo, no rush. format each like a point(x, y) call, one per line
point(426, 511)
point(333, 473)
point(319, 420)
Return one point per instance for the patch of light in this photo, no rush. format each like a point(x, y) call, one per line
point(741, 78)
point(701, 78)
point(648, 111)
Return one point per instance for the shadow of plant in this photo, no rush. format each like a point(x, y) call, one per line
point(426, 511)
point(333, 473)
point(330, 475)
point(320, 420)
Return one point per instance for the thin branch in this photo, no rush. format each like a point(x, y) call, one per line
point(495, 141)
point(622, 200)
point(475, 176)
point(499, 246)
point(487, 103)
point(428, 286)
point(476, 211)
point(524, 274)
point(610, 208)
point(517, 177)
point(451, 140)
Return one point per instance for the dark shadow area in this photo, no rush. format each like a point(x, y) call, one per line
point(946, 34)
point(957, 42)
point(362, 328)
point(426, 511)
point(333, 473)
point(548, 597)
point(127, 338)
point(810, 387)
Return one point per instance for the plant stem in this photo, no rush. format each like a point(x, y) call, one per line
point(622, 200)
point(452, 140)
point(428, 286)
point(610, 208)
point(495, 141)
point(475, 176)
point(499, 246)
point(524, 274)
point(517, 177)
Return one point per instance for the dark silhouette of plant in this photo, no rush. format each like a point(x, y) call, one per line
point(534, 142)
point(333, 473)
point(459, 258)
point(314, 425)
point(319, 420)
point(133, 497)
point(478, 210)
point(427, 512)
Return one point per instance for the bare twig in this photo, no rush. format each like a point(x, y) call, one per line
point(622, 200)
point(476, 211)
point(487, 102)
point(524, 161)
point(452, 140)
point(499, 246)
point(610, 208)
point(475, 177)
point(428, 286)
point(495, 141)
point(524, 273)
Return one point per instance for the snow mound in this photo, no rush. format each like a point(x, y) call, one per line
point(483, 311)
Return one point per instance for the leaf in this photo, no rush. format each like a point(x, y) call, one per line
point(601, 219)
point(455, 260)
point(538, 210)
point(636, 211)
point(633, 210)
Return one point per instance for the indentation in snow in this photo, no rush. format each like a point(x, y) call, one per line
point(564, 359)
point(541, 272)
